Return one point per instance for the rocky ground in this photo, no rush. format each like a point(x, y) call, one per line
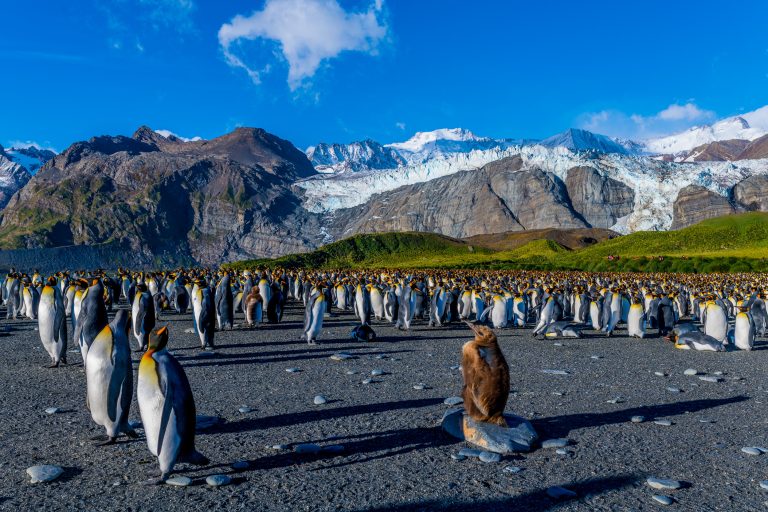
point(395, 458)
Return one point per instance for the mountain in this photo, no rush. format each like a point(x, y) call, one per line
point(357, 156)
point(30, 157)
point(749, 126)
point(583, 140)
point(13, 176)
point(166, 199)
point(718, 151)
point(758, 148)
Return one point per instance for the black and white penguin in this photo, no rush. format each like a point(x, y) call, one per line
point(109, 378)
point(143, 313)
point(52, 324)
point(224, 304)
point(167, 407)
point(91, 319)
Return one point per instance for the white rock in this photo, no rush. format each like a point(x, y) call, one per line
point(341, 356)
point(453, 400)
point(751, 450)
point(320, 400)
point(489, 457)
point(554, 443)
point(555, 372)
point(710, 378)
point(245, 409)
point(690, 372)
point(52, 410)
point(44, 473)
point(764, 484)
point(663, 483)
point(664, 500)
point(663, 423)
point(179, 481)
point(660, 374)
point(218, 480)
point(637, 419)
point(420, 386)
point(292, 370)
point(367, 381)
point(377, 372)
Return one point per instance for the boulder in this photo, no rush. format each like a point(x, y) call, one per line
point(518, 436)
point(695, 203)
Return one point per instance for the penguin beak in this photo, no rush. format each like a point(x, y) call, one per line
point(471, 326)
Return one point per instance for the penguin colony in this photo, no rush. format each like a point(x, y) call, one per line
point(693, 312)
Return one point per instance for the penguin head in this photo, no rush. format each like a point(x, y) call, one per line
point(158, 339)
point(51, 281)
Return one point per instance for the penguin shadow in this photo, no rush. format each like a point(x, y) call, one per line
point(69, 473)
point(537, 500)
point(561, 426)
point(259, 357)
point(313, 415)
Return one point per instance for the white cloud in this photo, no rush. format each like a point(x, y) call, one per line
point(400, 125)
point(168, 134)
point(674, 118)
point(307, 32)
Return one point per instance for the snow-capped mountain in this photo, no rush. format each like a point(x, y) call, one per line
point(583, 140)
point(30, 157)
point(749, 126)
point(442, 143)
point(172, 136)
point(354, 157)
point(13, 176)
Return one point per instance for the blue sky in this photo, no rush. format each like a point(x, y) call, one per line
point(338, 71)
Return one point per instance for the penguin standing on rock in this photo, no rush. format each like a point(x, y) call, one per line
point(143, 312)
point(167, 407)
point(109, 378)
point(52, 324)
point(486, 377)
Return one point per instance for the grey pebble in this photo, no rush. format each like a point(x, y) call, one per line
point(44, 473)
point(319, 400)
point(469, 452)
point(660, 374)
point(458, 456)
point(341, 356)
point(554, 443)
point(663, 423)
point(280, 446)
point(764, 484)
point(664, 500)
point(637, 419)
point(691, 372)
point(563, 451)
point(512, 469)
point(292, 370)
point(367, 381)
point(455, 367)
point(709, 378)
point(179, 481)
point(52, 410)
point(241, 464)
point(751, 450)
point(453, 400)
point(555, 372)
point(663, 483)
point(674, 390)
point(377, 372)
point(490, 457)
point(218, 480)
point(307, 448)
point(245, 409)
point(420, 386)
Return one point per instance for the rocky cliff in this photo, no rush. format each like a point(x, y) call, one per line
point(207, 201)
point(695, 203)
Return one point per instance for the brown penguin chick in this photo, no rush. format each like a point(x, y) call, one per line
point(251, 301)
point(486, 377)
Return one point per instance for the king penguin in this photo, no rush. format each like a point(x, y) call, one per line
point(636, 319)
point(143, 312)
point(109, 378)
point(92, 318)
point(744, 329)
point(167, 407)
point(52, 324)
point(313, 315)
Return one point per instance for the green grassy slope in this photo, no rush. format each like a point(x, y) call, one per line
point(735, 243)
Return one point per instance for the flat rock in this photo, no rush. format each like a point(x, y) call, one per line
point(341, 356)
point(663, 483)
point(660, 374)
point(351, 372)
point(419, 387)
point(319, 400)
point(179, 481)
point(710, 378)
point(307, 448)
point(292, 370)
point(218, 480)
point(454, 367)
point(44, 473)
point(469, 452)
point(764, 484)
point(674, 390)
point(663, 423)
point(489, 457)
point(280, 447)
point(664, 500)
point(377, 372)
point(52, 410)
point(518, 436)
point(617, 400)
point(595, 357)
point(189, 331)
point(453, 400)
point(554, 443)
point(245, 409)
point(751, 450)
point(555, 372)
point(691, 372)
point(637, 419)
point(512, 469)
point(560, 493)
point(367, 381)
point(458, 456)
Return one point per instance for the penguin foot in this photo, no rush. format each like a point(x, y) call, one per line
point(109, 441)
point(132, 434)
point(156, 481)
point(196, 458)
point(101, 437)
point(52, 365)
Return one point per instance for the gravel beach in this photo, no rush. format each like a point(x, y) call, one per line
point(605, 399)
